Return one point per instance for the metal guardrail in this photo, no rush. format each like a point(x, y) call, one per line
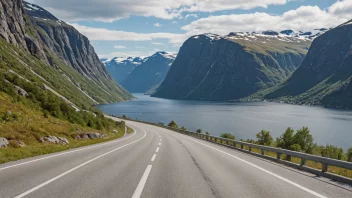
point(326, 162)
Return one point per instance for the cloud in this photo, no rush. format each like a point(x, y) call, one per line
point(111, 10)
point(191, 15)
point(304, 18)
point(157, 25)
point(119, 47)
point(155, 43)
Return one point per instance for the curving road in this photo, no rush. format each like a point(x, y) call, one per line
point(155, 162)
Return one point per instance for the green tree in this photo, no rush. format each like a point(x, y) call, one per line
point(304, 139)
point(333, 152)
point(199, 131)
point(264, 138)
point(183, 128)
point(173, 124)
point(285, 141)
point(349, 155)
point(207, 133)
point(228, 136)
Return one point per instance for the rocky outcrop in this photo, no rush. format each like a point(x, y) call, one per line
point(54, 140)
point(150, 73)
point(223, 68)
point(3, 142)
point(89, 135)
point(325, 76)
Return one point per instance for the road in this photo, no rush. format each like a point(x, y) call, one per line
point(155, 162)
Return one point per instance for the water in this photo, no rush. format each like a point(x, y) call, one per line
point(244, 120)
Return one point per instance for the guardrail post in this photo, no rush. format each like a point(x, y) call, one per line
point(242, 146)
point(278, 156)
point(325, 168)
point(263, 152)
point(250, 149)
point(303, 162)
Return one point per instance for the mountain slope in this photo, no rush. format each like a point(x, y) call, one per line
point(325, 76)
point(58, 50)
point(120, 68)
point(150, 73)
point(213, 67)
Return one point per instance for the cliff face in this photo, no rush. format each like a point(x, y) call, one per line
point(324, 77)
point(211, 67)
point(150, 73)
point(32, 30)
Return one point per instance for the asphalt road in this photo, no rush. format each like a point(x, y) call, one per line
point(155, 162)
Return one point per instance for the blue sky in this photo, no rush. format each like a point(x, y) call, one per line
point(141, 27)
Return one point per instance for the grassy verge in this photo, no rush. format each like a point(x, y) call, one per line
point(129, 130)
point(19, 122)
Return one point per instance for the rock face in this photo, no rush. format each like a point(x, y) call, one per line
point(3, 142)
point(213, 67)
point(54, 43)
point(150, 73)
point(120, 68)
point(325, 76)
point(54, 140)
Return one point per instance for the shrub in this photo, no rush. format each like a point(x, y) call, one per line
point(228, 136)
point(199, 131)
point(349, 155)
point(333, 152)
point(173, 124)
point(264, 138)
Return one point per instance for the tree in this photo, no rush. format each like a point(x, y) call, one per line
point(285, 141)
point(333, 152)
point(228, 136)
point(349, 155)
point(264, 138)
point(304, 139)
point(199, 131)
point(207, 133)
point(173, 124)
point(183, 128)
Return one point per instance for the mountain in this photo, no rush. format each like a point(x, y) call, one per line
point(119, 68)
point(214, 67)
point(38, 45)
point(325, 76)
point(150, 73)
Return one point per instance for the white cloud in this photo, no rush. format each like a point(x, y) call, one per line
point(110, 10)
point(191, 15)
point(157, 25)
point(120, 47)
point(155, 43)
point(304, 18)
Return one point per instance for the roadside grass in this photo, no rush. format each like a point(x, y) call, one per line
point(29, 124)
point(129, 130)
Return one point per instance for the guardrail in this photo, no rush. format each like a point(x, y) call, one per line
point(247, 147)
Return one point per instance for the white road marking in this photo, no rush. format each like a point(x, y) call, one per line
point(153, 158)
point(159, 144)
point(157, 150)
point(262, 169)
point(75, 168)
point(68, 152)
point(137, 193)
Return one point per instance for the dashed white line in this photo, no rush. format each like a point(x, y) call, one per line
point(137, 193)
point(75, 168)
point(159, 144)
point(262, 169)
point(157, 150)
point(153, 158)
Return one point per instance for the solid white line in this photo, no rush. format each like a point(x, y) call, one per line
point(153, 158)
point(68, 152)
point(262, 169)
point(75, 168)
point(157, 150)
point(137, 193)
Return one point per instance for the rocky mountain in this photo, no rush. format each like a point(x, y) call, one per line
point(119, 68)
point(150, 73)
point(214, 67)
point(325, 76)
point(37, 45)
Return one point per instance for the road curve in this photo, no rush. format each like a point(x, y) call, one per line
point(155, 162)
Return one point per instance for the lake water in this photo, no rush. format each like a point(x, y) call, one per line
point(244, 120)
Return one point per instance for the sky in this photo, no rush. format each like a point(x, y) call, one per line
point(122, 28)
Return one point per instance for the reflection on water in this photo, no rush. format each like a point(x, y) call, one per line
point(244, 120)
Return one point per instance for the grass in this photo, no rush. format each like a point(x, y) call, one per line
point(30, 124)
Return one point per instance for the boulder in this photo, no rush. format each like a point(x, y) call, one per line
point(115, 131)
point(54, 140)
point(21, 91)
point(3, 142)
point(94, 135)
